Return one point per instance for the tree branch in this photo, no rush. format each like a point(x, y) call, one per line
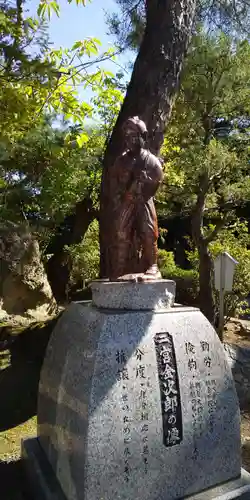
point(220, 224)
point(198, 211)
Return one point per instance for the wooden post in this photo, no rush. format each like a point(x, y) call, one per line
point(221, 297)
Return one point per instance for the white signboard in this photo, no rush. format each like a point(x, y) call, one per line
point(224, 267)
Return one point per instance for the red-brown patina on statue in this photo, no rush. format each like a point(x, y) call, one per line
point(137, 174)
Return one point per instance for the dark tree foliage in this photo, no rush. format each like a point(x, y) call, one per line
point(231, 16)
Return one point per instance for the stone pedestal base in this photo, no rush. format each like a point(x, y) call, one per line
point(136, 404)
point(45, 486)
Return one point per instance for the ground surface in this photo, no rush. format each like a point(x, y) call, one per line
point(21, 355)
point(237, 333)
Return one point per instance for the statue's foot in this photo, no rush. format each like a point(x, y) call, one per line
point(151, 274)
point(132, 278)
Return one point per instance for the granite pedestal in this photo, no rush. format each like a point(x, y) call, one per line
point(136, 404)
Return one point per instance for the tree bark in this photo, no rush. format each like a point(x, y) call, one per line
point(206, 296)
point(71, 232)
point(151, 92)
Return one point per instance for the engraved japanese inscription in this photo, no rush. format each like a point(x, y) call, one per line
point(169, 389)
point(123, 376)
point(144, 385)
point(202, 353)
point(126, 374)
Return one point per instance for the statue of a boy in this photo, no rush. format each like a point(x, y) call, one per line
point(137, 176)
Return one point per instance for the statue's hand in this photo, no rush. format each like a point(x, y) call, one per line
point(143, 176)
point(140, 176)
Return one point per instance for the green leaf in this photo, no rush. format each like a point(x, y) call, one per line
point(77, 45)
point(82, 139)
point(3, 19)
point(41, 9)
point(46, 7)
point(33, 23)
point(97, 41)
point(80, 1)
point(56, 8)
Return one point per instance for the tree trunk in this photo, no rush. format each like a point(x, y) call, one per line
point(71, 232)
point(206, 296)
point(151, 91)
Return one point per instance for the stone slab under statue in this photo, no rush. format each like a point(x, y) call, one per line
point(136, 398)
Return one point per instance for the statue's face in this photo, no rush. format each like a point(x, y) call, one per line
point(132, 139)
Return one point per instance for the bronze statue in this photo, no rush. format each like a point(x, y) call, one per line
point(137, 175)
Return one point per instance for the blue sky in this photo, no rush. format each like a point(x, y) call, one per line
point(77, 22)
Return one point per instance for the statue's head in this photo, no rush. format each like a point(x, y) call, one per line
point(135, 132)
